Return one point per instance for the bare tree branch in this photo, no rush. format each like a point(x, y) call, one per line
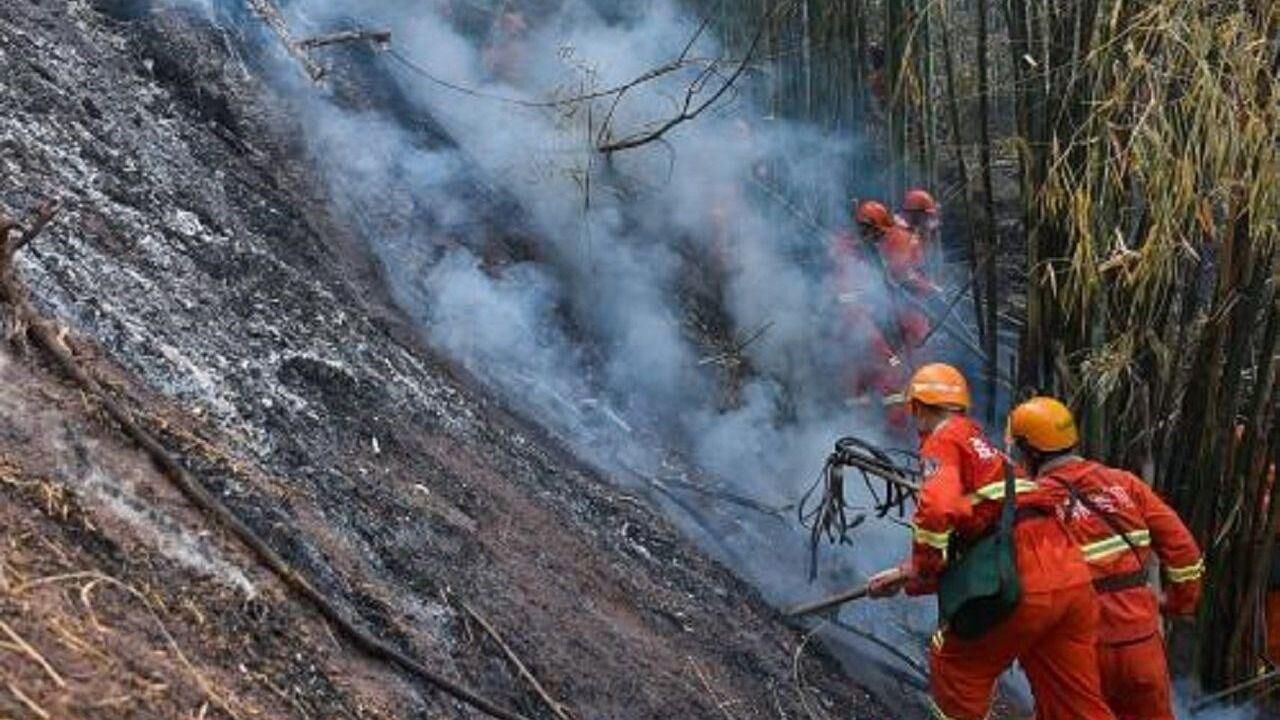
point(689, 110)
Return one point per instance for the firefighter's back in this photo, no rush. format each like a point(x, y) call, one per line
point(1051, 632)
point(1119, 524)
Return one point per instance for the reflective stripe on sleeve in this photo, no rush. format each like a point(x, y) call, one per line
point(1114, 544)
point(936, 540)
point(1186, 574)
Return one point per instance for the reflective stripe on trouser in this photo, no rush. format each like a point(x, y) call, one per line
point(1051, 635)
point(1135, 679)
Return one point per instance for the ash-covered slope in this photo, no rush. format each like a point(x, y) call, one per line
point(199, 267)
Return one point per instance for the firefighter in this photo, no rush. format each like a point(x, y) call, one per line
point(895, 254)
point(870, 322)
point(1118, 521)
point(900, 258)
point(898, 249)
point(921, 215)
point(1051, 629)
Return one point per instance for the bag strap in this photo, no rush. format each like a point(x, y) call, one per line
point(1107, 517)
point(1009, 508)
point(1008, 513)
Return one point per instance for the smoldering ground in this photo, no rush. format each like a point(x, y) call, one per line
point(591, 334)
point(592, 337)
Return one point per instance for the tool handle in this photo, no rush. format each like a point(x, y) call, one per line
point(831, 601)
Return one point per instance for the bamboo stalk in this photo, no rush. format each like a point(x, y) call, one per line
point(988, 214)
point(957, 143)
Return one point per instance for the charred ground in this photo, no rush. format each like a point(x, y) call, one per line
point(204, 276)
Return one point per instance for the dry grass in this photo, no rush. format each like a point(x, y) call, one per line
point(66, 659)
point(1181, 146)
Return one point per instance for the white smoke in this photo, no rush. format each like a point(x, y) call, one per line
point(592, 336)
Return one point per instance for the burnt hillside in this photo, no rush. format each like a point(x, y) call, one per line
point(205, 278)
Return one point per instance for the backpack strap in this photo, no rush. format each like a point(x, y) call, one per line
point(1107, 517)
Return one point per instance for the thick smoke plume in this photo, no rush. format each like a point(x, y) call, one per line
point(594, 332)
point(593, 337)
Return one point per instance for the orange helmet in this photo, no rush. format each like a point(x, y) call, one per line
point(873, 213)
point(1044, 424)
point(939, 385)
point(918, 200)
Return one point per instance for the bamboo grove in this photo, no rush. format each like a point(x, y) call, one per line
point(1120, 163)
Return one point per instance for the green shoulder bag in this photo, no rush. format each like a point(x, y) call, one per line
point(980, 588)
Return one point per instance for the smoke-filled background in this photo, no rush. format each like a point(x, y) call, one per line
point(605, 302)
point(592, 335)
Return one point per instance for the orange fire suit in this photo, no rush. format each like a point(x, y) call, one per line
point(904, 263)
point(882, 333)
point(1131, 654)
point(1052, 631)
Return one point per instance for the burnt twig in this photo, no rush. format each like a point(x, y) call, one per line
point(556, 707)
point(378, 37)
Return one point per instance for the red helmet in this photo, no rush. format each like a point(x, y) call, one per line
point(918, 200)
point(873, 213)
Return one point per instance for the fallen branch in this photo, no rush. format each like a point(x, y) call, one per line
point(799, 679)
point(270, 14)
point(46, 336)
point(420, 70)
point(380, 37)
point(557, 708)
